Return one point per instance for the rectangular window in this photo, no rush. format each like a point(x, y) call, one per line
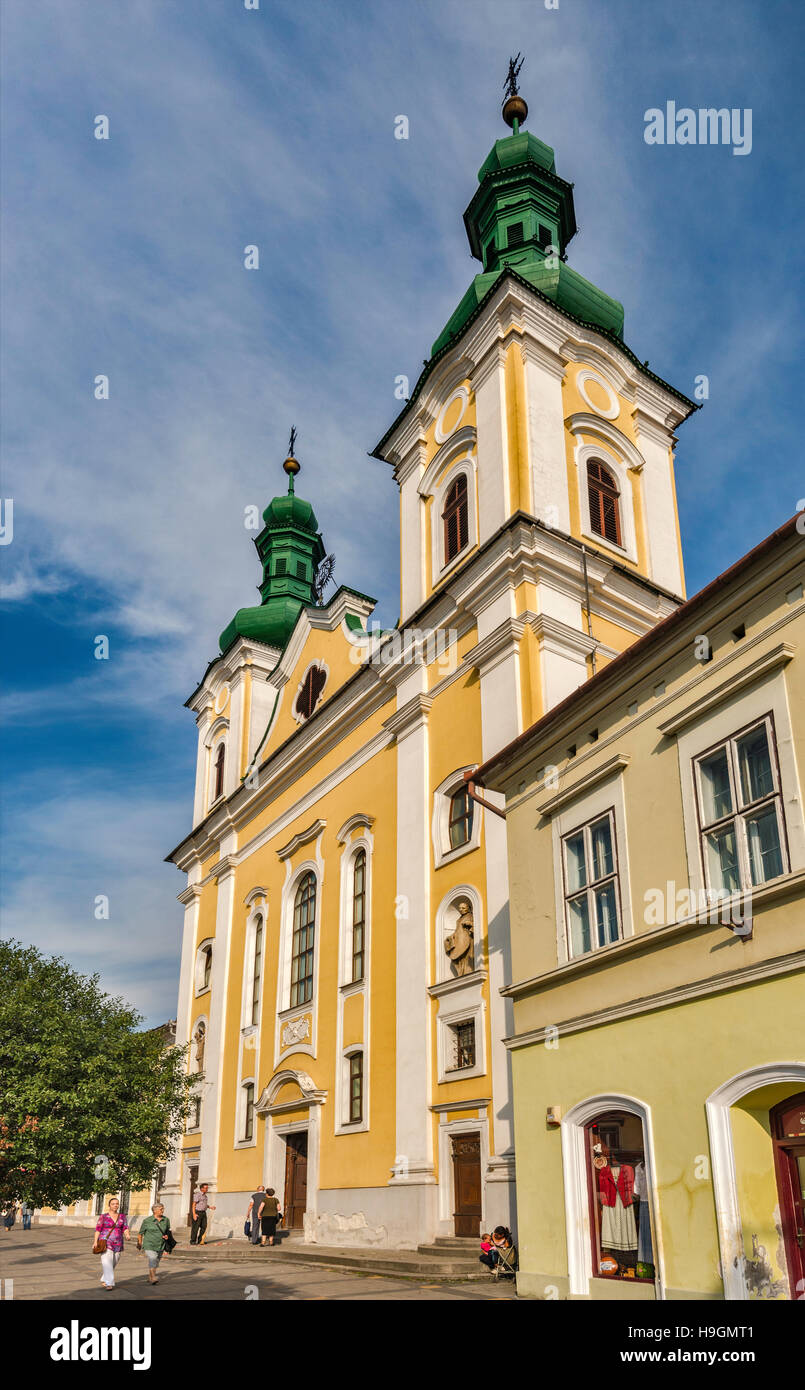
point(358, 915)
point(248, 1112)
point(591, 886)
point(356, 1088)
point(463, 1045)
point(741, 825)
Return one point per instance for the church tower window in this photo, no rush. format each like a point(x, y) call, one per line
point(455, 518)
point(218, 789)
point(603, 496)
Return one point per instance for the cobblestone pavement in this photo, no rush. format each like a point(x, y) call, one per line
point(56, 1262)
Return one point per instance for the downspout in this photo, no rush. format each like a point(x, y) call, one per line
point(587, 605)
point(469, 778)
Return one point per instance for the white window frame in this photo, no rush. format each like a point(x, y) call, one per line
point(767, 696)
point(440, 823)
point(466, 464)
point(589, 890)
point(469, 1008)
point(240, 1118)
point(259, 912)
point(740, 812)
point(199, 971)
point(286, 1009)
point(217, 734)
point(363, 842)
point(578, 810)
point(620, 472)
point(345, 1125)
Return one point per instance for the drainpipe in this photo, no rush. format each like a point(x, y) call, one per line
point(587, 604)
point(469, 778)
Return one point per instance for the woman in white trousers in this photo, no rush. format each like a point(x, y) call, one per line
point(113, 1228)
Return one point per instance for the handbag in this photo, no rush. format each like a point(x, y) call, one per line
point(99, 1246)
point(170, 1243)
point(247, 1229)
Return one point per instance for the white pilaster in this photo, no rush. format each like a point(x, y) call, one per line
point(414, 1156)
point(212, 1103)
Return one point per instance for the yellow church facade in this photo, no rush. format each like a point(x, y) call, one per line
point(346, 934)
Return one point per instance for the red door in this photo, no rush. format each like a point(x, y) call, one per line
point(467, 1184)
point(295, 1179)
point(788, 1131)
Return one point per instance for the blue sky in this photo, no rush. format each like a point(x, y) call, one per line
point(275, 127)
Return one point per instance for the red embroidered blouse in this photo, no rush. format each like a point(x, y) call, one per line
point(609, 1189)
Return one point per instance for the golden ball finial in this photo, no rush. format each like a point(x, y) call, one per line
point(291, 466)
point(515, 108)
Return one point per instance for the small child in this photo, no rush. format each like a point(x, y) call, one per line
point(486, 1256)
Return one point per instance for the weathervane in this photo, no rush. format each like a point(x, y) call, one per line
point(515, 108)
point(291, 464)
point(510, 84)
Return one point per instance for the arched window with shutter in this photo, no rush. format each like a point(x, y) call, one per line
point(602, 491)
point(455, 518)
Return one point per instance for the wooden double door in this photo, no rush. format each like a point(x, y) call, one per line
point(467, 1184)
point(295, 1179)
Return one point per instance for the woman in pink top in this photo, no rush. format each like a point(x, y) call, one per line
point(114, 1229)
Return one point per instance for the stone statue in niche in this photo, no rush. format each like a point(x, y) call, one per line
point(459, 945)
point(200, 1036)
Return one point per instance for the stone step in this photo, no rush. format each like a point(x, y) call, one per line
point(468, 1254)
point(405, 1263)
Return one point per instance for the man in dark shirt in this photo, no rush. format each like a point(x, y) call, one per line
point(255, 1207)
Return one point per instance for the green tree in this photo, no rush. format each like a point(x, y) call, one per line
point(87, 1101)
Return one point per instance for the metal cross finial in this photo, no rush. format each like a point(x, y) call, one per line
point(510, 85)
point(292, 441)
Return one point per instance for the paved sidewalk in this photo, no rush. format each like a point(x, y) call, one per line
point(56, 1262)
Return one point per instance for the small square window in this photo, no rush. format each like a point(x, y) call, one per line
point(462, 1046)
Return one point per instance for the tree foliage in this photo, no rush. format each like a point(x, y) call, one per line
point(88, 1102)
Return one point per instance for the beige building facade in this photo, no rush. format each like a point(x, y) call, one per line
point(656, 850)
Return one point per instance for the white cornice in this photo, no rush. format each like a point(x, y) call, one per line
point(456, 984)
point(680, 994)
point(497, 646)
point(225, 866)
point(411, 717)
point(584, 784)
point(458, 445)
point(360, 819)
point(770, 661)
point(583, 422)
point(559, 637)
point(304, 837)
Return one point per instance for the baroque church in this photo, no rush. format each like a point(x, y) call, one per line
point(346, 930)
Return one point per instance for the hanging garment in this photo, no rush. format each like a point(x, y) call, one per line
point(618, 1227)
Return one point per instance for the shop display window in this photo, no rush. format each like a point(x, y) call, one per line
point(620, 1206)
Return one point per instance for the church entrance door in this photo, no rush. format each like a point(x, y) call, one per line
point(467, 1184)
point(295, 1179)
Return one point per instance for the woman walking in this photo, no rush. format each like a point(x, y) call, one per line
point(111, 1230)
point(270, 1211)
point(152, 1237)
